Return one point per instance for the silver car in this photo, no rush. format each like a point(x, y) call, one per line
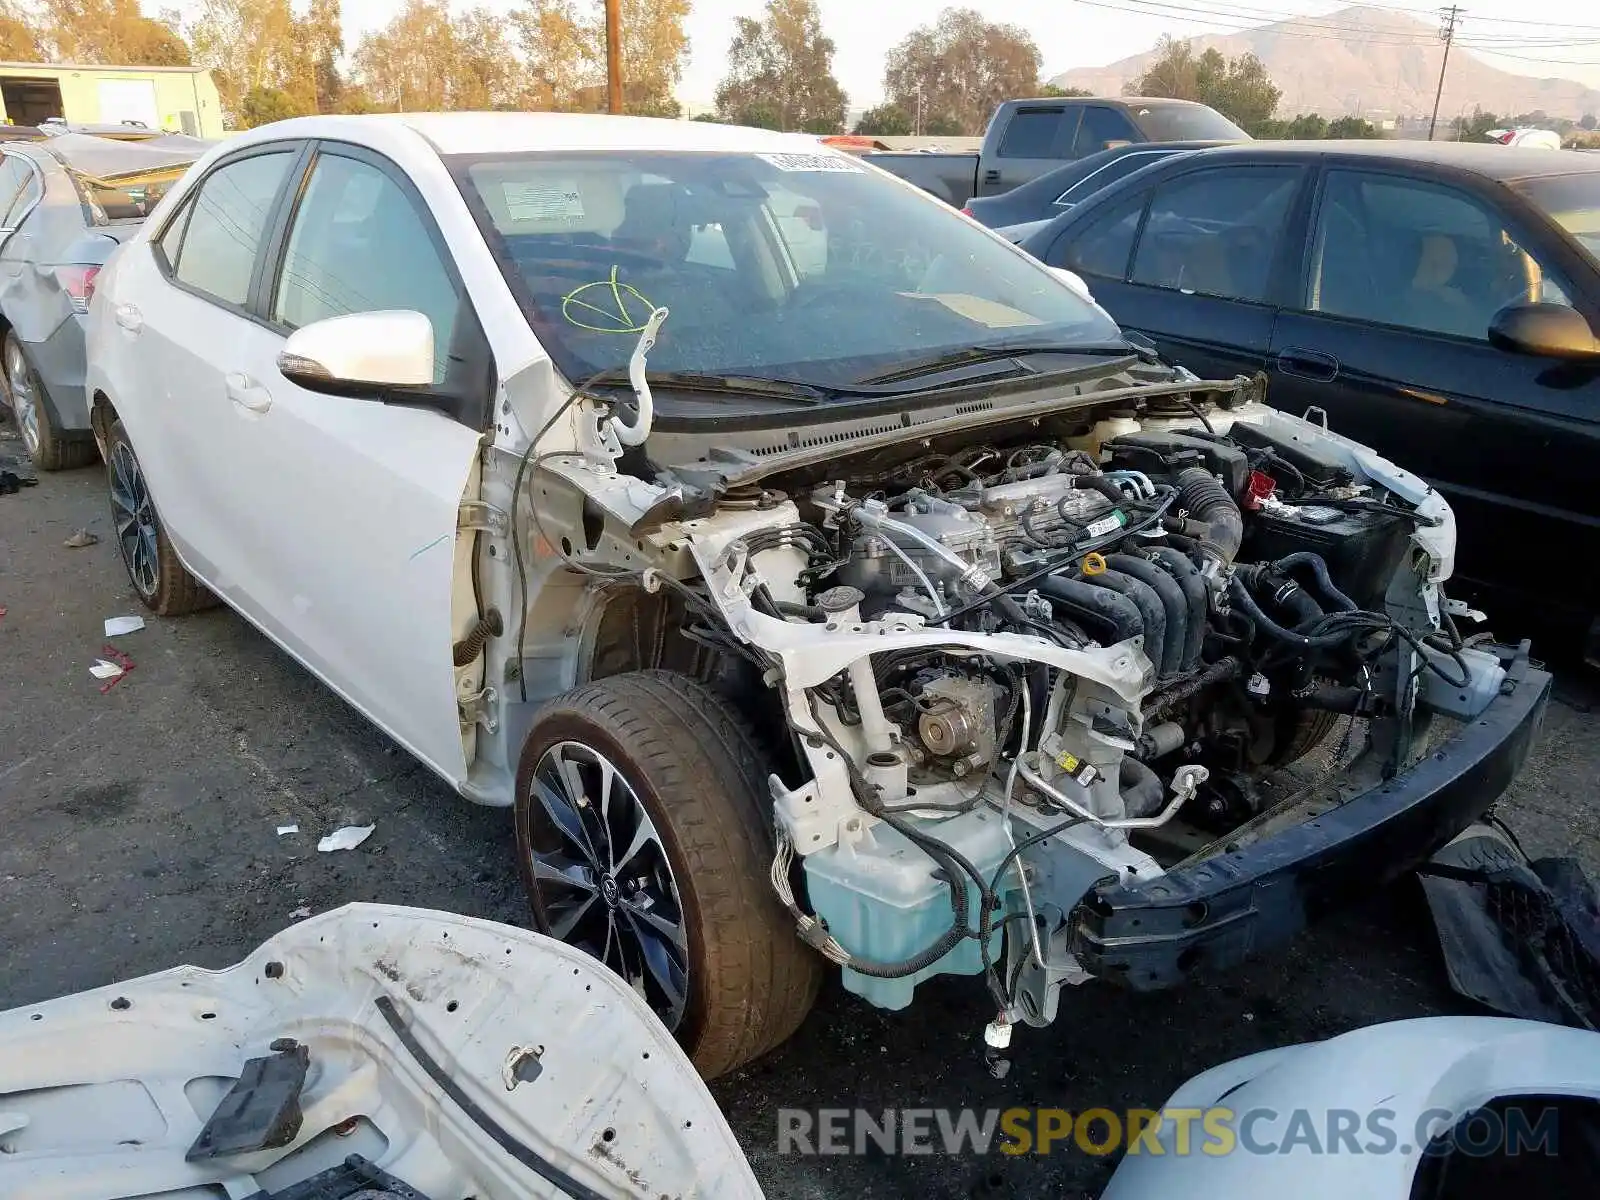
point(67, 203)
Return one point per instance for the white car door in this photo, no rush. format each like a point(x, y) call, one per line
point(357, 499)
point(181, 314)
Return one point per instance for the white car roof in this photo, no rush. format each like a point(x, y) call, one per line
point(492, 132)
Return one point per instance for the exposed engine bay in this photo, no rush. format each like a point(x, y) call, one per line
point(1017, 667)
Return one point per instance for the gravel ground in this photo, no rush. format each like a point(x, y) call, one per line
point(141, 834)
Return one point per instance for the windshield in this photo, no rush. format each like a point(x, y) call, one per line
point(1187, 123)
point(1572, 202)
point(808, 267)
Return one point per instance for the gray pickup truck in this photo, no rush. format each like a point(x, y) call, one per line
point(1026, 138)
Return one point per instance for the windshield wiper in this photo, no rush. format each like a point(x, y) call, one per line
point(762, 386)
point(971, 355)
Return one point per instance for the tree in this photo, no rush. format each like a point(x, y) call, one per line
point(254, 45)
point(1306, 127)
point(1472, 129)
point(323, 32)
point(887, 120)
point(563, 44)
point(20, 39)
point(1588, 122)
point(263, 105)
point(780, 71)
point(1239, 88)
point(1352, 127)
point(958, 70)
point(1050, 89)
point(110, 31)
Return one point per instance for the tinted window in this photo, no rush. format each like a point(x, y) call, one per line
point(1106, 175)
point(359, 245)
point(1032, 132)
point(1102, 246)
point(1215, 232)
point(1420, 255)
point(1572, 202)
point(1187, 123)
point(226, 225)
point(1101, 128)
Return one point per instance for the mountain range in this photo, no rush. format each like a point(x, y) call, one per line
point(1369, 62)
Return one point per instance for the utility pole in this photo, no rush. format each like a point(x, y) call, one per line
point(613, 56)
point(1447, 34)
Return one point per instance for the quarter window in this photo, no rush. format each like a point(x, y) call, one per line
point(1419, 255)
point(14, 177)
point(358, 244)
point(1105, 244)
point(1216, 233)
point(226, 223)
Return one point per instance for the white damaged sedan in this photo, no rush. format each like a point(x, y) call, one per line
point(819, 578)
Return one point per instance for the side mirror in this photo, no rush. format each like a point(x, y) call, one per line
point(360, 354)
point(1547, 330)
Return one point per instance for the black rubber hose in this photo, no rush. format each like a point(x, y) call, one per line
point(1284, 592)
point(1152, 613)
point(1140, 787)
point(1209, 503)
point(1194, 591)
point(1265, 624)
point(1319, 568)
point(1099, 483)
point(1174, 603)
point(468, 648)
point(1100, 608)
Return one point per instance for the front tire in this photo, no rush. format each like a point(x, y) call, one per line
point(161, 581)
point(641, 840)
point(25, 397)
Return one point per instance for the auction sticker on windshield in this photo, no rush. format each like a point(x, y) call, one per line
point(557, 201)
point(809, 162)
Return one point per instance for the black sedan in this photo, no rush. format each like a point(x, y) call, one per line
point(1054, 193)
point(1437, 301)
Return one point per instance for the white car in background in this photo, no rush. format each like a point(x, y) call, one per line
point(820, 578)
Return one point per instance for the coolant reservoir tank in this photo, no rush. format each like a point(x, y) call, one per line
point(1103, 431)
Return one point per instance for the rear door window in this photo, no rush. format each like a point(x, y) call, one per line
point(227, 223)
point(1216, 232)
point(1033, 132)
point(1101, 129)
point(14, 178)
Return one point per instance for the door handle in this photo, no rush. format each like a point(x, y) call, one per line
point(247, 393)
point(991, 176)
point(129, 318)
point(1308, 364)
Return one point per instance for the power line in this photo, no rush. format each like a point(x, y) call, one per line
point(1447, 35)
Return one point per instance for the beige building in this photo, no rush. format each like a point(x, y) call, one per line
point(176, 99)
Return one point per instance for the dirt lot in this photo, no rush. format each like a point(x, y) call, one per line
point(140, 833)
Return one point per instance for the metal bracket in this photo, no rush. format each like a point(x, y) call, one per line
point(478, 514)
point(479, 709)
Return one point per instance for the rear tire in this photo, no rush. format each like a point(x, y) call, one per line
point(161, 581)
point(46, 446)
point(682, 757)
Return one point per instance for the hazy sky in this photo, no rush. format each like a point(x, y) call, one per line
point(1075, 34)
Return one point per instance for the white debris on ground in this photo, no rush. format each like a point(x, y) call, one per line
point(347, 838)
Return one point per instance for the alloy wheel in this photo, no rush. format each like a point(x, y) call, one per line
point(135, 520)
point(602, 879)
point(24, 401)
